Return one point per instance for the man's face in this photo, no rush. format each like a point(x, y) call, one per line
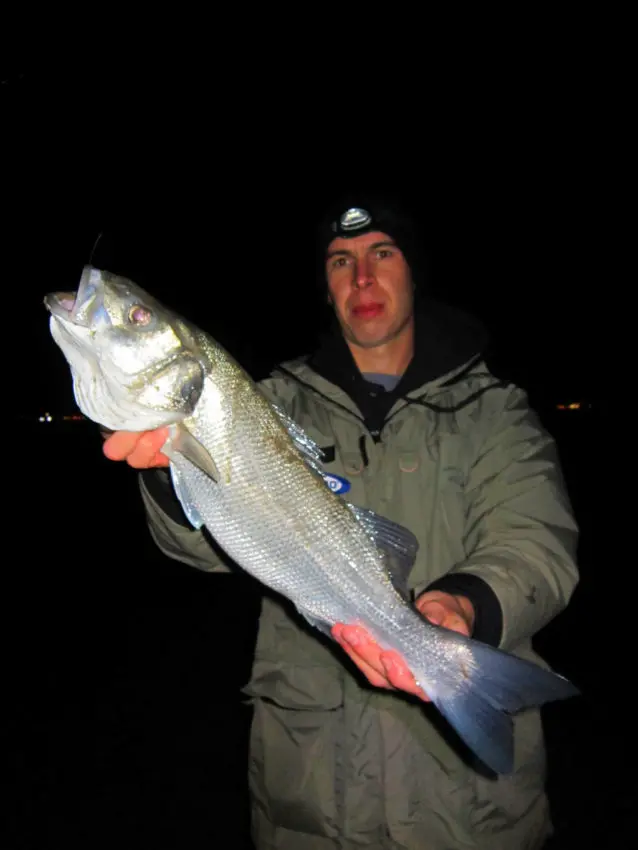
point(370, 288)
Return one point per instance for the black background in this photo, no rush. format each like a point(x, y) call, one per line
point(122, 668)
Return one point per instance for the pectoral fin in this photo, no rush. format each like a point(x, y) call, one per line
point(183, 442)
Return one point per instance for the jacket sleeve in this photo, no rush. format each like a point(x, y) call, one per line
point(171, 530)
point(520, 535)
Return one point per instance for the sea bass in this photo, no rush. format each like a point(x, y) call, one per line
point(242, 468)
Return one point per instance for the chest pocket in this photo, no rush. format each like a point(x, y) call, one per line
point(422, 480)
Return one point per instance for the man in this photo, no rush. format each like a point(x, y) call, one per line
point(415, 426)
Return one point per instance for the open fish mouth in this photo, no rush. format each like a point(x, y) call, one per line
point(72, 306)
point(61, 304)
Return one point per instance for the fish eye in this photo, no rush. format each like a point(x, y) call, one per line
point(139, 315)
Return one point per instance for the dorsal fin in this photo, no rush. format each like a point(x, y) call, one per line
point(306, 445)
point(398, 545)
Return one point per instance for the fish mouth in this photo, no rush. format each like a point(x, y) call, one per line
point(61, 304)
point(71, 307)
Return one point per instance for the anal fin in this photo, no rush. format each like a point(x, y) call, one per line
point(317, 623)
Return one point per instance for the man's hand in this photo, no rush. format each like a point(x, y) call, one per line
point(388, 669)
point(141, 450)
point(382, 669)
point(444, 609)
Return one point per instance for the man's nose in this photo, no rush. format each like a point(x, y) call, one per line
point(363, 275)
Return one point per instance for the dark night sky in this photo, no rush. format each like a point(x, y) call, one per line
point(208, 190)
point(516, 231)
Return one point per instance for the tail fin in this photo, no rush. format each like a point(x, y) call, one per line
point(486, 691)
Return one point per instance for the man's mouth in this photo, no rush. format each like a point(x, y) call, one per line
point(367, 311)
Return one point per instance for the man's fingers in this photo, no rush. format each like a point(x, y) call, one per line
point(382, 669)
point(140, 450)
point(446, 610)
point(364, 647)
point(375, 678)
point(147, 451)
point(441, 616)
point(357, 647)
point(456, 624)
point(400, 676)
point(120, 444)
point(433, 611)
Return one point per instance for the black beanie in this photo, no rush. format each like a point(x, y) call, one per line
point(358, 214)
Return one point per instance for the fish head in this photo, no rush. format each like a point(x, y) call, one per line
point(134, 363)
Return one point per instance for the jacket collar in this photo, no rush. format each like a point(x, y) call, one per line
point(447, 341)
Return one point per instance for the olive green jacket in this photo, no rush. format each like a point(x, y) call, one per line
point(334, 763)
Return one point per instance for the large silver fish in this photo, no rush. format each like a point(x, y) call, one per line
point(243, 469)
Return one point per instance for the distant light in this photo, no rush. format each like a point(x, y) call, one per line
point(574, 405)
point(46, 418)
